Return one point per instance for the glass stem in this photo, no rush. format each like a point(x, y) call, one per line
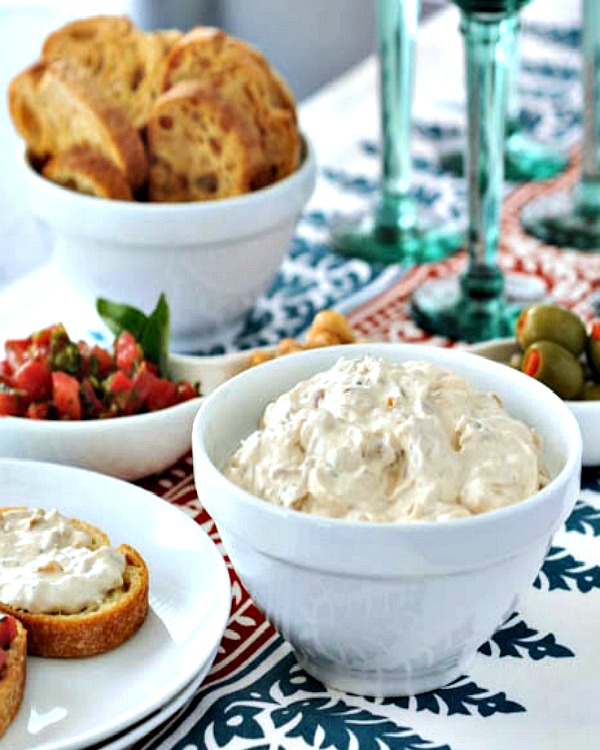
point(588, 197)
point(397, 22)
point(513, 108)
point(488, 47)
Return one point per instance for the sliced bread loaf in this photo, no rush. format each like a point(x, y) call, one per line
point(85, 170)
point(201, 147)
point(55, 106)
point(99, 626)
point(127, 64)
point(241, 74)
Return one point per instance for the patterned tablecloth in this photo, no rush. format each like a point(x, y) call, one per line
point(535, 684)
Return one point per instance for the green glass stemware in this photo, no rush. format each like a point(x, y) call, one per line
point(525, 159)
point(572, 219)
point(475, 308)
point(393, 231)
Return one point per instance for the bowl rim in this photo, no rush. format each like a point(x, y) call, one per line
point(92, 202)
point(100, 425)
point(480, 349)
point(568, 423)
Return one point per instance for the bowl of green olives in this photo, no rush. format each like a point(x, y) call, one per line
point(553, 345)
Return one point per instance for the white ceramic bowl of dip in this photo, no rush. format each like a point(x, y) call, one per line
point(384, 609)
point(587, 413)
point(212, 259)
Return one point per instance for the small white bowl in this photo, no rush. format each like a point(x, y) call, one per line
point(383, 609)
point(124, 447)
point(212, 259)
point(587, 413)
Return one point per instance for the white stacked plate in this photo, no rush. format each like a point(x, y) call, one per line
point(118, 697)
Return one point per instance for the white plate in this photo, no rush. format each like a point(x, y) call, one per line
point(71, 704)
point(140, 731)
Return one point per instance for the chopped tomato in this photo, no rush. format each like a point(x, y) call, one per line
point(128, 353)
point(47, 340)
point(6, 370)
point(8, 631)
point(185, 391)
point(48, 376)
point(95, 360)
point(120, 383)
point(65, 394)
point(3, 658)
point(11, 403)
point(141, 386)
point(102, 360)
point(120, 387)
point(17, 351)
point(162, 394)
point(38, 411)
point(35, 379)
point(91, 404)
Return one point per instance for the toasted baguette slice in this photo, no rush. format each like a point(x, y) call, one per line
point(12, 679)
point(200, 147)
point(54, 106)
point(242, 74)
point(126, 63)
point(97, 628)
point(206, 49)
point(83, 169)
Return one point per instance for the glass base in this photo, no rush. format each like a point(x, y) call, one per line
point(556, 220)
point(439, 306)
point(525, 160)
point(361, 237)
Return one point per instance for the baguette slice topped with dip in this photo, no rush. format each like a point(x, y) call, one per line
point(74, 593)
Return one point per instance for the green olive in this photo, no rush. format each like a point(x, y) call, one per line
point(591, 392)
point(556, 367)
point(551, 323)
point(593, 351)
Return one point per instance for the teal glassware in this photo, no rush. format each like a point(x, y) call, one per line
point(475, 308)
point(525, 159)
point(572, 219)
point(393, 231)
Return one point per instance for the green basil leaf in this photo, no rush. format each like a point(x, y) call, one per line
point(121, 318)
point(155, 338)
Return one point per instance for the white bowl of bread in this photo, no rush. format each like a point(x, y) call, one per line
point(163, 163)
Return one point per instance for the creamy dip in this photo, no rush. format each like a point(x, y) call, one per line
point(376, 441)
point(46, 564)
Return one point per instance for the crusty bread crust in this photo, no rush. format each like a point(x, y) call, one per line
point(241, 74)
point(54, 106)
point(200, 147)
point(85, 170)
point(126, 63)
point(12, 679)
point(96, 629)
point(104, 84)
